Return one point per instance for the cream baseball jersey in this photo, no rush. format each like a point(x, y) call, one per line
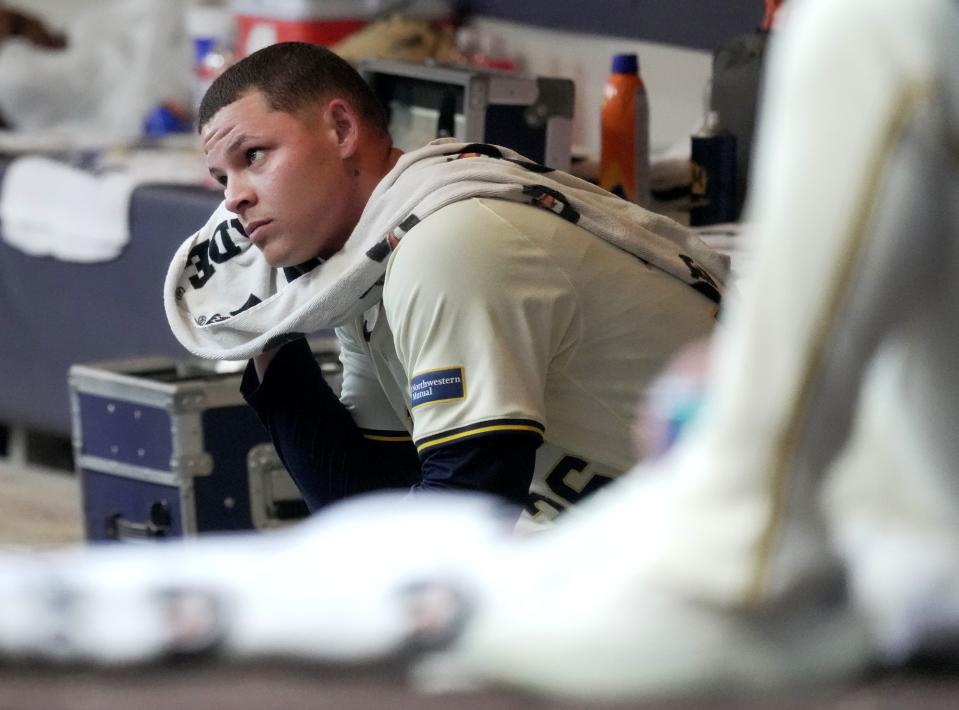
point(499, 316)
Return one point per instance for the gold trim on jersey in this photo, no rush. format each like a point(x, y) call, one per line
point(516, 425)
point(904, 108)
point(387, 437)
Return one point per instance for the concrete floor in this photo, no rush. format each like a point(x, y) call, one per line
point(39, 506)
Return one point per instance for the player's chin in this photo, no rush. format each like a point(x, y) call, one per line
point(275, 255)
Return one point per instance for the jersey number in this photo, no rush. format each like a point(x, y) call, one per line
point(569, 482)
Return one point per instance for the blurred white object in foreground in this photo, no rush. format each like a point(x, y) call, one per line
point(336, 588)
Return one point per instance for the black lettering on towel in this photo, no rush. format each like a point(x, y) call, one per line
point(205, 254)
point(294, 272)
point(552, 200)
point(199, 259)
point(229, 249)
point(702, 281)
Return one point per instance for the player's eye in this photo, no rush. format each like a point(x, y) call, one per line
point(253, 154)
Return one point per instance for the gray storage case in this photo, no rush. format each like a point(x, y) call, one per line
point(532, 115)
point(166, 448)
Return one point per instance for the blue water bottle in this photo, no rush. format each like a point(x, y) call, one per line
point(713, 186)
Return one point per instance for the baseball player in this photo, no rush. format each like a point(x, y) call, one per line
point(510, 341)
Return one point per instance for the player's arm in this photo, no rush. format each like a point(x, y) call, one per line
point(326, 453)
point(474, 320)
point(501, 464)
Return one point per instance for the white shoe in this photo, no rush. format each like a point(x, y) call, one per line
point(590, 610)
point(600, 638)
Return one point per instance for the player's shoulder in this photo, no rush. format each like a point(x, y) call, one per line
point(461, 233)
point(475, 216)
point(462, 248)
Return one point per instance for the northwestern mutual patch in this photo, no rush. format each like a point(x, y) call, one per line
point(435, 386)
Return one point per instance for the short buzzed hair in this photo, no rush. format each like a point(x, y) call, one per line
point(290, 75)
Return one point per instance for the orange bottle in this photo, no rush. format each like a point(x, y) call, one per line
point(624, 144)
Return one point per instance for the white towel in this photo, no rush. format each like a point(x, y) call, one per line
point(223, 301)
point(51, 208)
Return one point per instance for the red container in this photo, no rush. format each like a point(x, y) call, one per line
point(260, 23)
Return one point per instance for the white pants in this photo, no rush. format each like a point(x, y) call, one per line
point(855, 206)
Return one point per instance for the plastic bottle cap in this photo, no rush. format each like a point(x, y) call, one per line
point(162, 120)
point(203, 46)
point(625, 64)
point(713, 122)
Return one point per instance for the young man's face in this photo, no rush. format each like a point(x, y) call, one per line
point(284, 176)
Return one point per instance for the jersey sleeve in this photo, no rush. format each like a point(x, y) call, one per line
point(501, 464)
point(478, 317)
point(361, 392)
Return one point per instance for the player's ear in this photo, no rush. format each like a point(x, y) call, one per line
point(345, 124)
